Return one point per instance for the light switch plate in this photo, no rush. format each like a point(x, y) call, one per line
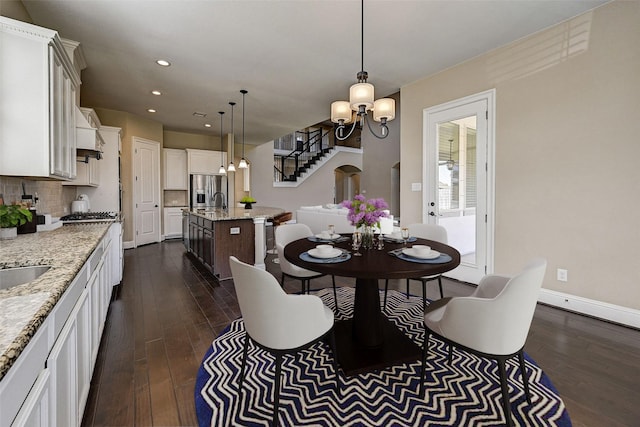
point(416, 186)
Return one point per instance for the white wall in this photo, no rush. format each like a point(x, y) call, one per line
point(318, 189)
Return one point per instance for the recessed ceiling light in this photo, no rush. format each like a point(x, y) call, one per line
point(163, 62)
point(156, 92)
point(151, 110)
point(207, 125)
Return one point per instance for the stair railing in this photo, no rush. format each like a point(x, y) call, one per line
point(307, 146)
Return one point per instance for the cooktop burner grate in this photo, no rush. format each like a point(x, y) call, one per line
point(89, 216)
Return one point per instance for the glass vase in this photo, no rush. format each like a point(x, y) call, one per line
point(367, 237)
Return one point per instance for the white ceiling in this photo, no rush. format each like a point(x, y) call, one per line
point(293, 56)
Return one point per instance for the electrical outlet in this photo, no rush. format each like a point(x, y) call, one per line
point(562, 275)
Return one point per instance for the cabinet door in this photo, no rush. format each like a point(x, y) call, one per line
point(207, 253)
point(35, 410)
point(172, 223)
point(205, 161)
point(62, 363)
point(83, 351)
point(175, 169)
point(62, 135)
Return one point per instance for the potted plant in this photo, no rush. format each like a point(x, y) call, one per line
point(248, 201)
point(11, 216)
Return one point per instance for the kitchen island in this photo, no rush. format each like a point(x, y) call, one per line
point(214, 235)
point(50, 327)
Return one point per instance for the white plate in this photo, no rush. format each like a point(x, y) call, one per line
point(330, 254)
point(431, 255)
point(333, 237)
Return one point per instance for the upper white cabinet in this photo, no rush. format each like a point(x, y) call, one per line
point(175, 169)
point(87, 125)
point(37, 106)
point(205, 162)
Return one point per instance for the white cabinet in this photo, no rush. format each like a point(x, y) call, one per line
point(205, 162)
point(173, 223)
point(87, 173)
point(175, 169)
point(49, 383)
point(37, 106)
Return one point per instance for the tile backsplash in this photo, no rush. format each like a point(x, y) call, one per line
point(53, 197)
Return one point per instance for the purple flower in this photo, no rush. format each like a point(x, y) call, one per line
point(365, 212)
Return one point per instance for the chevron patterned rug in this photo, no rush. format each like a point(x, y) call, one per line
point(465, 393)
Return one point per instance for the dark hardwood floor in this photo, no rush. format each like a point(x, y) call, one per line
point(167, 312)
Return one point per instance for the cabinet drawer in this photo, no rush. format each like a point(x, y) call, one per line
point(61, 311)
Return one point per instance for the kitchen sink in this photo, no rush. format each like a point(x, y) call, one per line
point(10, 277)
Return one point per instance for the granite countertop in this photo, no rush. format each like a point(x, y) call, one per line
point(237, 213)
point(24, 308)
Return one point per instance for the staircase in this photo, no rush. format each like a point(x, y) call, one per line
point(310, 148)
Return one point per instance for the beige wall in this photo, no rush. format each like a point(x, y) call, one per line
point(183, 140)
point(380, 156)
point(567, 151)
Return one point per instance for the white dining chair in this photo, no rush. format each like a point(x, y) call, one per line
point(430, 232)
point(493, 323)
point(277, 322)
point(286, 234)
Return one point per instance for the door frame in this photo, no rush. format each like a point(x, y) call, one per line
point(429, 134)
point(134, 147)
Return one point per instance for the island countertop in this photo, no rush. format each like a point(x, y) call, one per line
point(236, 213)
point(23, 308)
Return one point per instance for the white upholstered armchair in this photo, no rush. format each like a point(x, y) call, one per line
point(493, 322)
point(277, 322)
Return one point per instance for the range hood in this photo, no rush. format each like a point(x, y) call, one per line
point(89, 142)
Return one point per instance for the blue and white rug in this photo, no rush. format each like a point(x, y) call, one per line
point(465, 393)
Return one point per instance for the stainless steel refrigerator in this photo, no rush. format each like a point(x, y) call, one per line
point(208, 191)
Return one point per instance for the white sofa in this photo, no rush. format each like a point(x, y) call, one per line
point(319, 217)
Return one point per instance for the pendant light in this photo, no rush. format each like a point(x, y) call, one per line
point(231, 142)
point(361, 100)
point(222, 170)
point(243, 163)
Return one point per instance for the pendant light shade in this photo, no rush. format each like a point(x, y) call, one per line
point(243, 163)
point(361, 94)
point(341, 110)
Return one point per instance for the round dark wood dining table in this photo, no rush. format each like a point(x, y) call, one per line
point(369, 341)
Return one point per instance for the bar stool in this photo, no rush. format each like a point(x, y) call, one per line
point(276, 221)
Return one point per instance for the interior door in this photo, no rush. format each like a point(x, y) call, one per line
point(459, 192)
point(146, 172)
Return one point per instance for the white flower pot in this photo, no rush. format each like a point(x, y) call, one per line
point(8, 233)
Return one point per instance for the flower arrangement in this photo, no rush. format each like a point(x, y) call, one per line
point(363, 212)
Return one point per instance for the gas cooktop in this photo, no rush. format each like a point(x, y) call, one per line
point(89, 217)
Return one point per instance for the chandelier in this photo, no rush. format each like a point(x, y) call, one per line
point(361, 100)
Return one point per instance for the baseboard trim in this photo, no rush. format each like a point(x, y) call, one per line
point(602, 310)
point(128, 245)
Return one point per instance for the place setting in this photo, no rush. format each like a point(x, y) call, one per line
point(328, 236)
point(420, 254)
point(323, 254)
point(401, 236)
